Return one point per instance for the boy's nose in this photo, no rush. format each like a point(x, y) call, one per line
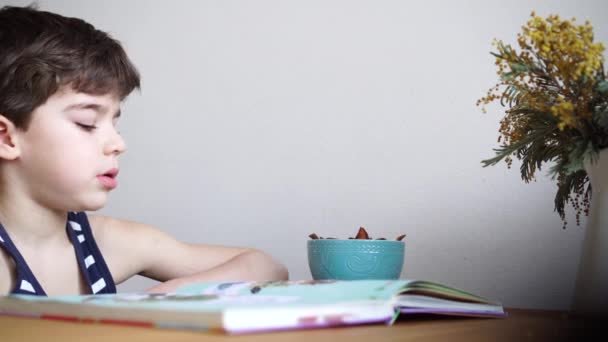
point(115, 145)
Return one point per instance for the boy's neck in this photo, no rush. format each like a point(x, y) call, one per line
point(28, 222)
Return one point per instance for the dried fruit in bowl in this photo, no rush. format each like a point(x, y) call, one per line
point(361, 235)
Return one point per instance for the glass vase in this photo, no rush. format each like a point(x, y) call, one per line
point(591, 289)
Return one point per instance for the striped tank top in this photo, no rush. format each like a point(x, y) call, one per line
point(92, 265)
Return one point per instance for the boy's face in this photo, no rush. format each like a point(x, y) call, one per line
point(69, 153)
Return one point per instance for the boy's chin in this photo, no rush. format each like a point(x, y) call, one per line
point(94, 207)
point(91, 204)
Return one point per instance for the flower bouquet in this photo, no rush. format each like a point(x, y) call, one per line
point(556, 97)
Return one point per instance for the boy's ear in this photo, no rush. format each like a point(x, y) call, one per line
point(9, 149)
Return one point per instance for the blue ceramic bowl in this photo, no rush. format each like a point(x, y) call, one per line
point(355, 259)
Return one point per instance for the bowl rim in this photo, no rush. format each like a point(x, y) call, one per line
point(310, 241)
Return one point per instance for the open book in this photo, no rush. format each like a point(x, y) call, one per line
point(241, 307)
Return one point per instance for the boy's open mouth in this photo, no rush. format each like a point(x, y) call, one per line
point(108, 179)
point(112, 173)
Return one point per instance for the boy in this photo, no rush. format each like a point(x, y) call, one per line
point(61, 85)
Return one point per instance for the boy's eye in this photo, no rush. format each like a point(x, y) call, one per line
point(85, 127)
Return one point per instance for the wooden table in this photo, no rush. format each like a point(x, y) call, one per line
point(520, 325)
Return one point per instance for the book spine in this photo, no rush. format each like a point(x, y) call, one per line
point(130, 323)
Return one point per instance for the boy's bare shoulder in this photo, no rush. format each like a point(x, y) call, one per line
point(125, 236)
point(105, 227)
point(127, 246)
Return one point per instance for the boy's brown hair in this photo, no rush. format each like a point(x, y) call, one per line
point(42, 51)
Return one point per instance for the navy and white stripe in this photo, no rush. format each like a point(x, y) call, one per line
point(93, 267)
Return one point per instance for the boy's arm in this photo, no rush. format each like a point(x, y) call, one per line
point(133, 248)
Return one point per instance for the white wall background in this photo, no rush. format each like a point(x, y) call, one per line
point(260, 122)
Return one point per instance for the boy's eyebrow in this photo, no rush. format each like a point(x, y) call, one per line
point(92, 106)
